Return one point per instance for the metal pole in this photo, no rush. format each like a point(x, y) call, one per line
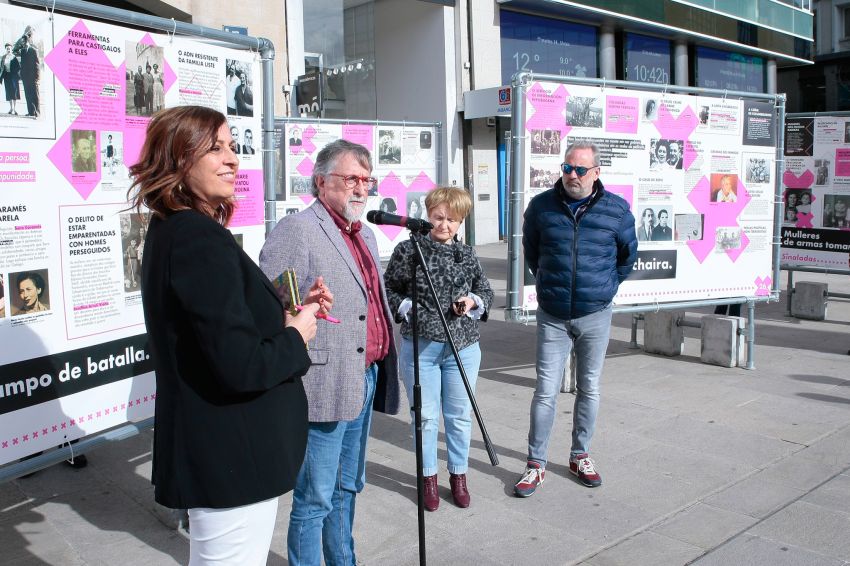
point(269, 153)
point(515, 201)
point(777, 192)
point(751, 334)
point(789, 291)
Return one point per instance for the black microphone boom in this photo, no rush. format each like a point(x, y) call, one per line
point(412, 224)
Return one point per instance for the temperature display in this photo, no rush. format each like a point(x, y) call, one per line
point(531, 43)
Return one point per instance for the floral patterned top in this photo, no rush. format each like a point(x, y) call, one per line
point(456, 272)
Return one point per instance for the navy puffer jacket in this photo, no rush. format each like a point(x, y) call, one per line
point(579, 264)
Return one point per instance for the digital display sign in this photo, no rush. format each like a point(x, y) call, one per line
point(544, 45)
point(647, 59)
point(729, 71)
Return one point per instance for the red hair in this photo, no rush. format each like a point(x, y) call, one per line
point(176, 139)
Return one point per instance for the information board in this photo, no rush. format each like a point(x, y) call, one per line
point(697, 172)
point(75, 359)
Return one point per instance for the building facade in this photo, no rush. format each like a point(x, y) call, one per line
point(451, 61)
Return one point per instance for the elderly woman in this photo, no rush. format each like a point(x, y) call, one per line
point(231, 412)
point(30, 288)
point(464, 297)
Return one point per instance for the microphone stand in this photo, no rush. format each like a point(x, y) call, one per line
point(417, 388)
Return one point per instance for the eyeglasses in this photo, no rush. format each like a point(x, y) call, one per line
point(352, 180)
point(580, 171)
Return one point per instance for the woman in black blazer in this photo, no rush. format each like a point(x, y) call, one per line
point(231, 413)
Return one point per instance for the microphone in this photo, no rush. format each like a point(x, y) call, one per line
point(412, 224)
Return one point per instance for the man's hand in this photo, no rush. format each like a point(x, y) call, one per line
point(320, 295)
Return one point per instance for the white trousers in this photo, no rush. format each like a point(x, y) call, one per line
point(237, 536)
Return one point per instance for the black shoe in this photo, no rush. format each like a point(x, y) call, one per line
point(77, 462)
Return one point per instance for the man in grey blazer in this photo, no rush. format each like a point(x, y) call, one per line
point(354, 367)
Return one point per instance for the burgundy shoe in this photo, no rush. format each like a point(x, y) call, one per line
point(459, 492)
point(431, 497)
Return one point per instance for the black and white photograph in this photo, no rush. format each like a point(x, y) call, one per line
point(757, 170)
point(291, 210)
point(239, 87)
point(704, 114)
point(416, 205)
point(133, 230)
point(545, 142)
point(584, 112)
point(389, 147)
point(29, 292)
point(727, 238)
point(799, 200)
point(83, 151)
point(145, 80)
point(112, 156)
point(822, 171)
point(650, 110)
point(300, 186)
point(836, 211)
point(665, 154)
point(543, 178)
point(846, 132)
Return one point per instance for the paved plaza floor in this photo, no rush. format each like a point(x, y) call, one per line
point(700, 464)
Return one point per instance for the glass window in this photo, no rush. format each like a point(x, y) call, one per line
point(647, 59)
point(339, 47)
point(845, 15)
point(545, 45)
point(729, 71)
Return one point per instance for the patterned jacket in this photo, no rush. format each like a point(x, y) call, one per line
point(456, 272)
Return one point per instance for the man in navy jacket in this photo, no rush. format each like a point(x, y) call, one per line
point(580, 244)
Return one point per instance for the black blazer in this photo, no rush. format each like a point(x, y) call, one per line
point(231, 413)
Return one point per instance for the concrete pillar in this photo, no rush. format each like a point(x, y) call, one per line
point(770, 86)
point(808, 300)
point(662, 333)
point(720, 340)
point(607, 54)
point(680, 63)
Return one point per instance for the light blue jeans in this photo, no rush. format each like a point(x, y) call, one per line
point(333, 473)
point(555, 340)
point(442, 385)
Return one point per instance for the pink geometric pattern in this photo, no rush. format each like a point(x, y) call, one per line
point(307, 145)
point(792, 181)
point(679, 128)
point(72, 422)
point(763, 286)
point(392, 186)
point(549, 109)
point(364, 134)
point(716, 215)
point(804, 220)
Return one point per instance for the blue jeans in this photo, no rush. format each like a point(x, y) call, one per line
point(333, 473)
point(555, 340)
point(442, 385)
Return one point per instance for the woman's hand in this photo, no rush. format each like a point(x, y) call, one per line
point(304, 322)
point(320, 295)
point(463, 305)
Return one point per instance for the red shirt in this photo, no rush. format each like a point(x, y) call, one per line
point(377, 325)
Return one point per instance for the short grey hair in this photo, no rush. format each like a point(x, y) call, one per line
point(330, 154)
point(584, 144)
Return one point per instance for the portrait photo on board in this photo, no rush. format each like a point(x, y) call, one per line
point(29, 291)
point(389, 147)
point(83, 151)
point(665, 154)
point(727, 238)
point(239, 88)
point(724, 187)
point(822, 171)
point(416, 205)
point(650, 110)
point(112, 156)
point(836, 211)
point(757, 170)
point(145, 81)
point(300, 186)
point(2, 297)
